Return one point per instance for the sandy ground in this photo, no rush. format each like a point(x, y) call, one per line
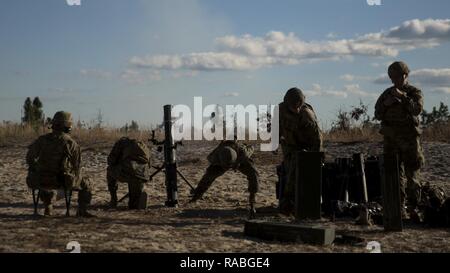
point(214, 224)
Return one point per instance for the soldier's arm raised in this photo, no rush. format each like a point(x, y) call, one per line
point(413, 102)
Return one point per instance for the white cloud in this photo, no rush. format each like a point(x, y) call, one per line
point(425, 77)
point(138, 77)
point(382, 79)
point(248, 52)
point(442, 90)
point(348, 77)
point(184, 74)
point(355, 90)
point(332, 35)
point(96, 73)
point(425, 29)
point(348, 90)
point(435, 77)
point(352, 78)
point(231, 94)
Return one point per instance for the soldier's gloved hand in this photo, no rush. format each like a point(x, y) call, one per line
point(398, 93)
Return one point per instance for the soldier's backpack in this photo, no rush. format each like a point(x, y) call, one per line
point(135, 150)
point(47, 172)
point(135, 159)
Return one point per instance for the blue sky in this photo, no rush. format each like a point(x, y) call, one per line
point(129, 58)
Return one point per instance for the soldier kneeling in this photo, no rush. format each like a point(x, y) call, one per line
point(54, 162)
point(129, 162)
point(230, 155)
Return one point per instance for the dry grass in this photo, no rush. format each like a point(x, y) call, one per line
point(353, 135)
point(439, 132)
point(11, 134)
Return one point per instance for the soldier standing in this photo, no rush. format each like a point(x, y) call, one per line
point(54, 162)
point(129, 161)
point(299, 131)
point(398, 108)
point(230, 155)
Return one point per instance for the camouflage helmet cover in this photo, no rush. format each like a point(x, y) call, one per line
point(227, 156)
point(62, 119)
point(294, 96)
point(398, 68)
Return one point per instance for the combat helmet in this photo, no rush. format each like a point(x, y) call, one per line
point(293, 96)
point(62, 120)
point(398, 68)
point(227, 157)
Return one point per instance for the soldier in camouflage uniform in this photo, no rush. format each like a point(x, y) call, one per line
point(299, 131)
point(230, 155)
point(398, 109)
point(129, 162)
point(54, 162)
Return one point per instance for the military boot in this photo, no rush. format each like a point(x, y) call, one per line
point(143, 201)
point(287, 207)
point(82, 212)
point(113, 201)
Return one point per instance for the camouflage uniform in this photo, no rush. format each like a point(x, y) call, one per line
point(54, 162)
point(129, 161)
point(218, 166)
point(298, 132)
point(401, 131)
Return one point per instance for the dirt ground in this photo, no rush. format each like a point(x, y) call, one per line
point(214, 224)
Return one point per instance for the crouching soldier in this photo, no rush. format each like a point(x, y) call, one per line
point(129, 162)
point(230, 155)
point(54, 163)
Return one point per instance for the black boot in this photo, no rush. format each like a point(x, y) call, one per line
point(113, 201)
point(82, 212)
